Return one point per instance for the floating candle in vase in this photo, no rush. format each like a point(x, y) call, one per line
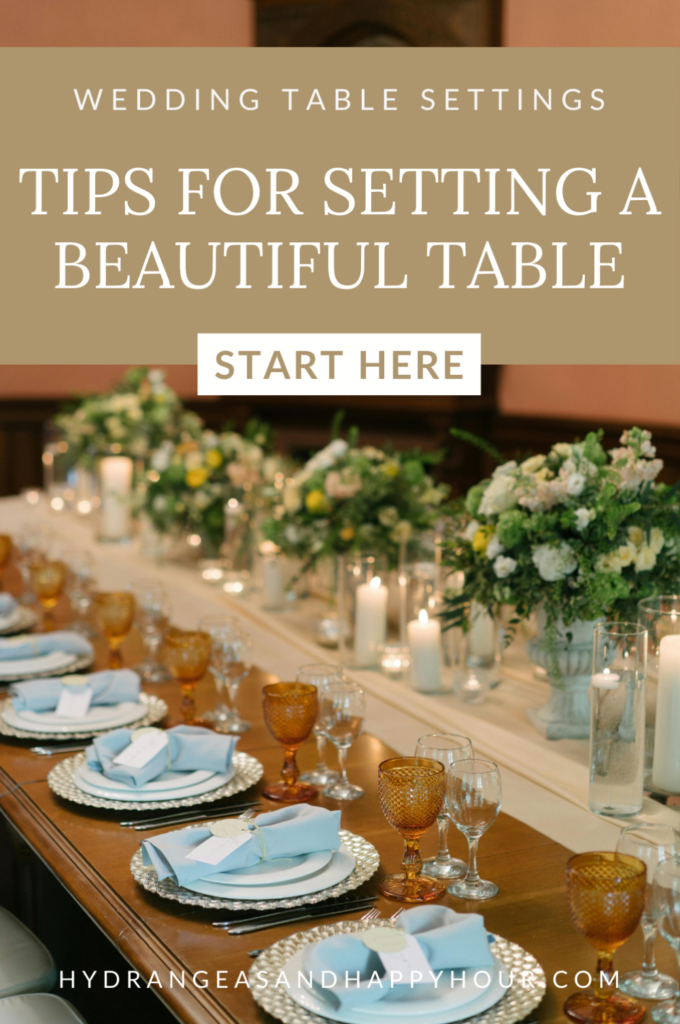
point(666, 767)
point(481, 638)
point(370, 622)
point(115, 474)
point(424, 638)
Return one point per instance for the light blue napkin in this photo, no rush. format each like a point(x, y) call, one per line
point(44, 643)
point(110, 687)
point(7, 603)
point(191, 748)
point(450, 941)
point(287, 832)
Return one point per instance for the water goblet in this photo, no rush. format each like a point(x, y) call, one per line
point(47, 580)
point(115, 613)
point(187, 654)
point(5, 552)
point(221, 629)
point(230, 663)
point(81, 578)
point(411, 792)
point(606, 893)
point(342, 709)
point(666, 909)
point(447, 748)
point(473, 796)
point(320, 676)
point(151, 618)
point(653, 845)
point(290, 711)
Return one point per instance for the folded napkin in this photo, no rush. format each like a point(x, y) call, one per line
point(111, 687)
point(44, 643)
point(450, 941)
point(287, 832)
point(191, 748)
point(7, 603)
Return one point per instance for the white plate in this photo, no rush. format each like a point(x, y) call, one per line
point(145, 795)
point(43, 663)
point(441, 1005)
point(168, 780)
point(340, 866)
point(98, 717)
point(276, 871)
point(7, 621)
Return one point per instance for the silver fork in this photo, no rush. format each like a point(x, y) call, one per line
point(370, 915)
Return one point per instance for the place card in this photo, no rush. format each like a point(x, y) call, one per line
point(399, 952)
point(215, 849)
point(74, 701)
point(145, 744)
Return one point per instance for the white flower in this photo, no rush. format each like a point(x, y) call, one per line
point(554, 562)
point(636, 535)
point(494, 548)
point(647, 449)
point(329, 455)
point(156, 376)
point(645, 559)
point(499, 495)
point(160, 459)
point(608, 563)
point(584, 516)
point(575, 484)
point(505, 470)
point(389, 516)
point(532, 464)
point(503, 566)
point(626, 554)
point(292, 501)
point(656, 539)
point(193, 460)
point(403, 531)
point(470, 530)
point(562, 449)
point(160, 503)
point(292, 534)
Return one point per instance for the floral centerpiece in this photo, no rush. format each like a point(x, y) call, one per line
point(133, 419)
point(348, 498)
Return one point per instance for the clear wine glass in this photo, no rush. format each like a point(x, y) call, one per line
point(320, 676)
point(666, 910)
point(473, 797)
point(653, 845)
point(446, 748)
point(80, 584)
point(219, 628)
point(151, 618)
point(230, 663)
point(342, 708)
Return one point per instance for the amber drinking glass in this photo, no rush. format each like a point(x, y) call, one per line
point(187, 655)
point(290, 711)
point(115, 613)
point(5, 552)
point(606, 893)
point(47, 580)
point(411, 792)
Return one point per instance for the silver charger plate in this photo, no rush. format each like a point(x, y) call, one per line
point(157, 710)
point(25, 620)
point(514, 1006)
point(60, 780)
point(367, 861)
point(80, 662)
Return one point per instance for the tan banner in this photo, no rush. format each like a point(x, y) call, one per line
point(527, 195)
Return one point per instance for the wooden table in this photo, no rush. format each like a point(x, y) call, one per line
point(90, 853)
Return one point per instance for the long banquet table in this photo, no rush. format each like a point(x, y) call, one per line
point(90, 853)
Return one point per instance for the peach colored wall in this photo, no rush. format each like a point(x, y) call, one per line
point(126, 23)
point(591, 23)
point(66, 381)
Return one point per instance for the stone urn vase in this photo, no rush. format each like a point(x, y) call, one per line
point(566, 715)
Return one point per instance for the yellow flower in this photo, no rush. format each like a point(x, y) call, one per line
point(196, 477)
point(636, 535)
point(214, 458)
point(626, 554)
point(390, 468)
point(347, 533)
point(482, 538)
point(316, 502)
point(656, 539)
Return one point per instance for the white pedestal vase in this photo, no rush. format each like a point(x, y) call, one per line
point(567, 712)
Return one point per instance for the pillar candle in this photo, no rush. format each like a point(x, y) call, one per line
point(272, 581)
point(424, 640)
point(370, 621)
point(666, 768)
point(116, 484)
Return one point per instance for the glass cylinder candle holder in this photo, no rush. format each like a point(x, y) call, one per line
point(237, 549)
point(115, 493)
point(430, 667)
point(660, 616)
point(482, 641)
point(617, 725)
point(363, 598)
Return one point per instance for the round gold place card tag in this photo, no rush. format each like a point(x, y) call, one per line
point(385, 940)
point(228, 828)
point(146, 730)
point(75, 680)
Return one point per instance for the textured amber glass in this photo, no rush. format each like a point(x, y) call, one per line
point(115, 613)
point(606, 893)
point(411, 793)
point(290, 711)
point(187, 655)
point(47, 580)
point(5, 550)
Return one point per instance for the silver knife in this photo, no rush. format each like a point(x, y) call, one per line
point(51, 751)
point(276, 916)
point(244, 929)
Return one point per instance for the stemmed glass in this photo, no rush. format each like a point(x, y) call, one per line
point(151, 618)
point(606, 893)
point(653, 845)
point(666, 908)
point(27, 545)
point(290, 711)
point(411, 792)
point(342, 709)
point(115, 613)
point(447, 748)
point(221, 629)
point(230, 663)
point(47, 580)
point(320, 676)
point(187, 654)
point(5, 552)
point(79, 585)
point(473, 795)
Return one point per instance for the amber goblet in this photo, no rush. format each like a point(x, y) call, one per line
point(187, 655)
point(47, 580)
point(5, 552)
point(290, 711)
point(606, 893)
point(411, 792)
point(115, 613)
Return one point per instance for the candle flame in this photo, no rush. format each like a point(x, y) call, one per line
point(422, 617)
point(375, 582)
